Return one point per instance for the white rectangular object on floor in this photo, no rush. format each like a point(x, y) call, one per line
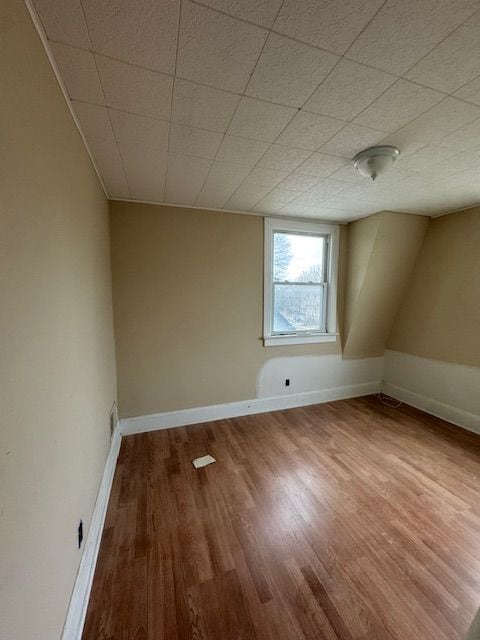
point(198, 463)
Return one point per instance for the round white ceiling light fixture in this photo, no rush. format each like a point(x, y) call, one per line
point(375, 160)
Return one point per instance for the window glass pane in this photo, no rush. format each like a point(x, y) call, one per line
point(298, 307)
point(298, 257)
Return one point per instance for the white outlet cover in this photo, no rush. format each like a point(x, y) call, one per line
point(198, 463)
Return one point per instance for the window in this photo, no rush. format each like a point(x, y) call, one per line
point(300, 282)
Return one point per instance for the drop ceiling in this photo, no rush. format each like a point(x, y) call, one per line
point(259, 105)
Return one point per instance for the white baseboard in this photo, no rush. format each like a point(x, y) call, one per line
point(129, 426)
point(444, 389)
point(81, 592)
point(456, 416)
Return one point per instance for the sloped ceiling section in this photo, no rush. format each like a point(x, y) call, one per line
point(260, 106)
point(382, 253)
point(439, 316)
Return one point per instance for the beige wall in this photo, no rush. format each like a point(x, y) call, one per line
point(381, 255)
point(188, 301)
point(440, 314)
point(57, 378)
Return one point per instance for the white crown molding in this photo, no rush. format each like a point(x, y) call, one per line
point(242, 213)
point(447, 213)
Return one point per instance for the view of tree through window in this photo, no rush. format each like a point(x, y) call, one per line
point(299, 282)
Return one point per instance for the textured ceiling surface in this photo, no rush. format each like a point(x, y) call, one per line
point(259, 105)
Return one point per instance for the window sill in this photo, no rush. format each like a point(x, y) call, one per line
point(279, 341)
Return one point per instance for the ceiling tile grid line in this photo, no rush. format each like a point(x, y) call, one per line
point(108, 112)
point(403, 33)
point(412, 121)
point(345, 54)
point(438, 46)
point(235, 111)
point(173, 93)
point(412, 80)
point(298, 170)
point(267, 193)
point(217, 10)
point(406, 111)
point(125, 177)
point(304, 107)
point(111, 128)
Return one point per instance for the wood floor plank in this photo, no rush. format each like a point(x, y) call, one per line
point(342, 521)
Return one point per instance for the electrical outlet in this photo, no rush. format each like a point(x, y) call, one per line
point(113, 419)
point(80, 534)
point(287, 382)
point(112, 424)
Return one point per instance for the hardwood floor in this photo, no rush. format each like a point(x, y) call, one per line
point(347, 520)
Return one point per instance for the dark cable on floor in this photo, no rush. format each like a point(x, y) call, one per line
point(388, 401)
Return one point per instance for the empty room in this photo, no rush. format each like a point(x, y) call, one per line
point(240, 320)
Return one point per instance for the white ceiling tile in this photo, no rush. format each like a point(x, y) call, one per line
point(260, 120)
point(276, 199)
point(444, 118)
point(145, 168)
point(461, 162)
point(352, 139)
point(185, 178)
point(261, 12)
point(255, 187)
point(348, 89)
point(247, 196)
point(133, 129)
point(470, 92)
point(204, 107)
point(284, 158)
point(317, 212)
point(463, 139)
point(266, 177)
point(347, 212)
point(321, 165)
point(217, 50)
point(194, 142)
point(143, 32)
point(63, 21)
point(400, 104)
point(309, 131)
point(326, 24)
point(78, 70)
point(241, 150)
point(299, 182)
point(124, 109)
point(288, 71)
point(403, 32)
point(130, 88)
point(223, 179)
point(454, 61)
point(362, 196)
point(96, 126)
point(94, 120)
point(321, 192)
point(109, 163)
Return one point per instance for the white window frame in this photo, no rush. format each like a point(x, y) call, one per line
point(332, 231)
